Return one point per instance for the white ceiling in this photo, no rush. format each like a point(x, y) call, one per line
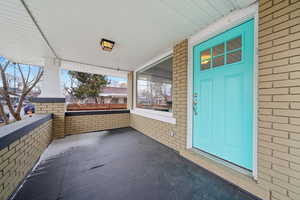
point(142, 29)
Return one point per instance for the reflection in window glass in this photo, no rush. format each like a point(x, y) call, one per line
point(217, 50)
point(235, 43)
point(205, 59)
point(205, 64)
point(154, 87)
point(233, 57)
point(218, 61)
point(205, 55)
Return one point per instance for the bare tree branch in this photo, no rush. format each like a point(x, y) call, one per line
point(29, 71)
point(5, 66)
point(2, 92)
point(22, 75)
point(28, 85)
point(6, 88)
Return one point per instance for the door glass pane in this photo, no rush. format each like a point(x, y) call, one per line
point(234, 57)
point(218, 61)
point(205, 64)
point(205, 55)
point(217, 50)
point(235, 43)
point(205, 59)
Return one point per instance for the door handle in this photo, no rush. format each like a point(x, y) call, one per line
point(195, 104)
point(195, 109)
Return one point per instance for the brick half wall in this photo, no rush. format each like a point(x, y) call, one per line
point(19, 157)
point(83, 122)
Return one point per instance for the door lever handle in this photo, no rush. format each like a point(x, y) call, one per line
point(195, 103)
point(195, 107)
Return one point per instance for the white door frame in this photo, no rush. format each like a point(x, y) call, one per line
point(233, 19)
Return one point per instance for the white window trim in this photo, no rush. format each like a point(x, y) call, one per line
point(153, 114)
point(233, 19)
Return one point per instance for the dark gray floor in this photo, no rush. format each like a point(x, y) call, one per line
point(121, 164)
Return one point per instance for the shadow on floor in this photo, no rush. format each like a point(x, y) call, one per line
point(120, 164)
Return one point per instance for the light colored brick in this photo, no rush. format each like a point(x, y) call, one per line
point(295, 90)
point(286, 156)
point(274, 91)
point(287, 142)
point(287, 10)
point(295, 105)
point(274, 36)
point(287, 68)
point(288, 53)
point(266, 85)
point(269, 118)
point(295, 75)
point(295, 13)
point(274, 77)
point(275, 133)
point(263, 59)
point(263, 111)
point(295, 121)
point(286, 83)
point(273, 105)
point(295, 44)
point(286, 97)
point(88, 123)
point(273, 146)
point(274, 63)
point(295, 29)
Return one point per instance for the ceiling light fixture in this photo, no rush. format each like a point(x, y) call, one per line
point(107, 45)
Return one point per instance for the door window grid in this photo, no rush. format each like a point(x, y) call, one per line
point(227, 52)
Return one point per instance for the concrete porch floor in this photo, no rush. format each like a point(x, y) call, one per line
point(120, 164)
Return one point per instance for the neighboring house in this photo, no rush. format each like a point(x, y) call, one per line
point(108, 95)
point(114, 95)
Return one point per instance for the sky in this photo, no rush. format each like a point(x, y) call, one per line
point(113, 79)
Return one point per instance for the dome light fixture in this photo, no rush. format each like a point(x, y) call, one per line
point(107, 45)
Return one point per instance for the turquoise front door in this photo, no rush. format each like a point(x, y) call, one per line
point(223, 95)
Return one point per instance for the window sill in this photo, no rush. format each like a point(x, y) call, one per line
point(157, 115)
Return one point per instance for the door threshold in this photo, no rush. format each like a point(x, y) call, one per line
point(223, 162)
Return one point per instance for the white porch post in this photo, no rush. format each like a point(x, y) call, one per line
point(50, 84)
point(51, 99)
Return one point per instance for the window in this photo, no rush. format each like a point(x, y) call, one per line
point(154, 86)
point(85, 91)
point(215, 56)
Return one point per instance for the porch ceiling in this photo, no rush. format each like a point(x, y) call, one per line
point(141, 29)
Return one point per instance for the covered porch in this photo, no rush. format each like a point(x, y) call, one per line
point(213, 100)
point(121, 164)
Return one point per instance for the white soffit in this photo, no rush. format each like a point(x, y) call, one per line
point(142, 29)
point(20, 40)
point(80, 67)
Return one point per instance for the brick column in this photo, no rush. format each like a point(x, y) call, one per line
point(180, 64)
point(56, 106)
point(279, 98)
point(130, 90)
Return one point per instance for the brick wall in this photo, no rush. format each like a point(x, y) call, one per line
point(88, 123)
point(279, 98)
point(158, 130)
point(58, 110)
point(20, 156)
point(180, 64)
point(161, 131)
point(130, 90)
